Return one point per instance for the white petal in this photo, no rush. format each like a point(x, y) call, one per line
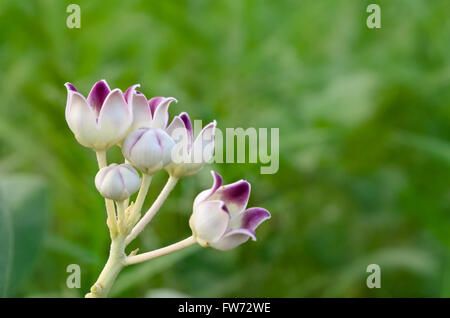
point(129, 92)
point(176, 128)
point(142, 117)
point(193, 157)
point(177, 131)
point(161, 115)
point(180, 152)
point(117, 182)
point(148, 149)
point(110, 184)
point(114, 120)
point(130, 178)
point(206, 194)
point(113, 186)
point(209, 221)
point(100, 176)
point(203, 148)
point(232, 239)
point(81, 119)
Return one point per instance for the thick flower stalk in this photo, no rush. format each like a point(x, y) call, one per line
point(149, 144)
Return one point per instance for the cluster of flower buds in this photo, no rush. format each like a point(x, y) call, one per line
point(110, 117)
point(149, 143)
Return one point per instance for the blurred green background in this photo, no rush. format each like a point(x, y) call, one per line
point(364, 118)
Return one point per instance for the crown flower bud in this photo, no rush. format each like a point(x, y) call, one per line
point(148, 149)
point(101, 120)
point(152, 113)
point(220, 218)
point(189, 155)
point(117, 182)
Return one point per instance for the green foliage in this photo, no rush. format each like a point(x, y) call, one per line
point(364, 139)
point(23, 220)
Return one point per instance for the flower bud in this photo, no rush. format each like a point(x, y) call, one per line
point(117, 182)
point(220, 218)
point(189, 154)
point(148, 149)
point(152, 113)
point(102, 119)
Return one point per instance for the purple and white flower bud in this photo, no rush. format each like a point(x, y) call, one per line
point(189, 155)
point(102, 119)
point(117, 182)
point(220, 218)
point(148, 149)
point(152, 113)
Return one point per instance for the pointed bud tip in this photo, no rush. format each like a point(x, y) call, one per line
point(70, 87)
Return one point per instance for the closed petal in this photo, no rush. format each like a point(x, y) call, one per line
point(70, 87)
point(141, 112)
point(176, 127)
point(234, 195)
point(203, 147)
point(161, 113)
point(81, 119)
point(98, 94)
point(129, 92)
point(117, 182)
point(187, 123)
point(232, 239)
point(100, 176)
point(204, 195)
point(177, 131)
point(132, 139)
point(148, 149)
point(154, 102)
point(209, 221)
point(183, 163)
point(130, 178)
point(113, 186)
point(114, 119)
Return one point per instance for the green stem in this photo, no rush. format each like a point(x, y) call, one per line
point(171, 182)
point(136, 211)
point(134, 259)
point(113, 266)
point(110, 209)
point(101, 159)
